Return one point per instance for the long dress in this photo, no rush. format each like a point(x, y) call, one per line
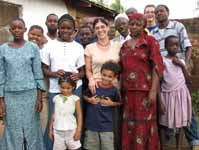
point(20, 77)
point(175, 96)
point(139, 129)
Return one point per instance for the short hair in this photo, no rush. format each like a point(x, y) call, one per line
point(166, 7)
point(112, 66)
point(52, 14)
point(166, 41)
point(15, 18)
point(131, 9)
point(66, 17)
point(86, 26)
point(36, 27)
point(100, 19)
point(67, 78)
point(150, 5)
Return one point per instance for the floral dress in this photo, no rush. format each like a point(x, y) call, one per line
point(139, 128)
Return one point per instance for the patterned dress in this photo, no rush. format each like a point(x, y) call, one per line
point(139, 129)
point(20, 76)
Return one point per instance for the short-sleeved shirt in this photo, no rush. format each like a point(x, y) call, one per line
point(68, 56)
point(99, 118)
point(64, 112)
point(99, 57)
point(173, 28)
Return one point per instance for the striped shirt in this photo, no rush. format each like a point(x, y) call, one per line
point(173, 28)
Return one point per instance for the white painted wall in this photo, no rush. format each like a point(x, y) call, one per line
point(35, 11)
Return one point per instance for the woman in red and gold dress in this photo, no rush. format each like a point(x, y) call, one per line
point(142, 67)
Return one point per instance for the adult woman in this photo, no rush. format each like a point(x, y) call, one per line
point(21, 83)
point(99, 52)
point(141, 69)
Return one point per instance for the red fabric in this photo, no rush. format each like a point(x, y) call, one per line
point(138, 16)
point(139, 129)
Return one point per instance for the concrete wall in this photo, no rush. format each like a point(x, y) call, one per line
point(35, 11)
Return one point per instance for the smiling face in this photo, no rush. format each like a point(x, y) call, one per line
point(149, 12)
point(36, 36)
point(121, 25)
point(85, 35)
point(17, 29)
point(101, 30)
point(66, 30)
point(107, 77)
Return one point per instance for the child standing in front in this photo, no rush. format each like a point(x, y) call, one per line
point(99, 113)
point(64, 128)
point(175, 96)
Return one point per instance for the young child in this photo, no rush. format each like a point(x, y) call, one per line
point(175, 96)
point(64, 128)
point(99, 112)
point(36, 35)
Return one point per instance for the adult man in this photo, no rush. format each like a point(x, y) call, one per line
point(121, 25)
point(149, 12)
point(165, 28)
point(52, 25)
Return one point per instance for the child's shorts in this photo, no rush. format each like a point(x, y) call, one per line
point(98, 140)
point(64, 140)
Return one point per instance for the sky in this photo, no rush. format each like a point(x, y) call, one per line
point(179, 9)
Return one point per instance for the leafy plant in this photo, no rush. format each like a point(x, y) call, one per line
point(195, 102)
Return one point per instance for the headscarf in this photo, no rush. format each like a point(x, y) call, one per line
point(139, 17)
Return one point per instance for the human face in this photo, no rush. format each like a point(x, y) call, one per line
point(66, 88)
point(161, 14)
point(172, 46)
point(17, 29)
point(35, 35)
point(150, 14)
point(101, 30)
point(85, 35)
point(66, 30)
point(107, 77)
point(52, 23)
point(136, 27)
point(121, 26)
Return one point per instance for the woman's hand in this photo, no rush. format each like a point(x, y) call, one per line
point(75, 77)
point(38, 106)
point(152, 97)
point(92, 85)
point(2, 108)
point(77, 135)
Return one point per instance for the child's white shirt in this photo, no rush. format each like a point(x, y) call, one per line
point(64, 118)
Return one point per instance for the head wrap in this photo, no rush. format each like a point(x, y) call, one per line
point(139, 17)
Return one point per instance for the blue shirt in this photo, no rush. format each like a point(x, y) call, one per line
point(99, 118)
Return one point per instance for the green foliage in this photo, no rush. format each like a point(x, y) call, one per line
point(195, 102)
point(117, 6)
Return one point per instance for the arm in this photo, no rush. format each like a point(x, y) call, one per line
point(79, 120)
point(39, 103)
point(89, 74)
point(188, 54)
point(91, 100)
point(51, 135)
point(50, 74)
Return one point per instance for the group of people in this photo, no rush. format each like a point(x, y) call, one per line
point(130, 92)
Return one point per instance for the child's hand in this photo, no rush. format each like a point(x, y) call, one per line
point(38, 106)
point(77, 135)
point(162, 108)
point(51, 134)
point(94, 100)
point(2, 108)
point(177, 62)
point(106, 102)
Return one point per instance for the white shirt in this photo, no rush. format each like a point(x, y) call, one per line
point(68, 56)
point(64, 112)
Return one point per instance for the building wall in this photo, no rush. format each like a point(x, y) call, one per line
point(35, 11)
